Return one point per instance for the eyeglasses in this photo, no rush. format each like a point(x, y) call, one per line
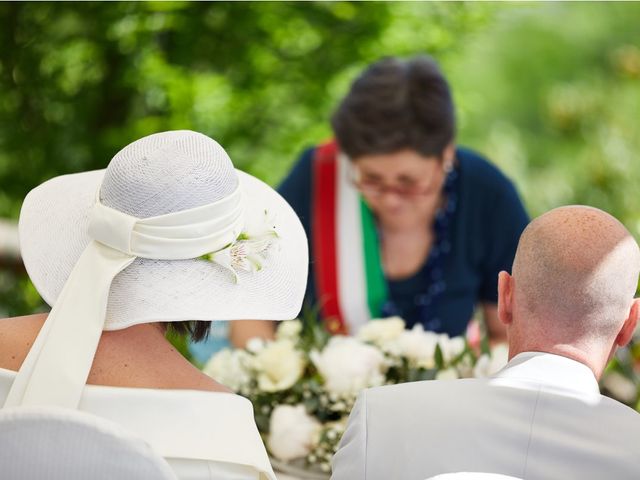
point(375, 188)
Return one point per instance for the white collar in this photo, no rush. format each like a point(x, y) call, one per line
point(555, 371)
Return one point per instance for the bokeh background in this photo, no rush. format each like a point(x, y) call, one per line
point(550, 92)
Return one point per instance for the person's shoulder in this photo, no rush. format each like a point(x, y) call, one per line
point(309, 152)
point(480, 171)
point(627, 416)
point(623, 424)
point(16, 337)
point(485, 187)
point(426, 391)
point(300, 173)
point(34, 320)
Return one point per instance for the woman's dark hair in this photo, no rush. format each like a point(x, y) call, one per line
point(197, 330)
point(394, 105)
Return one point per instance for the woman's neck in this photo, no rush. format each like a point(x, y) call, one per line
point(141, 356)
point(404, 252)
point(405, 248)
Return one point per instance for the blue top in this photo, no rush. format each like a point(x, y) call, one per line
point(483, 233)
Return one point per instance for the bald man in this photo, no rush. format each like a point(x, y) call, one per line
point(567, 307)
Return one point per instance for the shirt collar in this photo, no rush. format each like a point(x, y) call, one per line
point(555, 371)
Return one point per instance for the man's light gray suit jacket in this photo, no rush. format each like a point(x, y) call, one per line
point(541, 418)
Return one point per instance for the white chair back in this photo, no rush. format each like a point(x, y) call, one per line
point(64, 444)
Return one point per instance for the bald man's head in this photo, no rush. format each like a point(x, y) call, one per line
point(575, 274)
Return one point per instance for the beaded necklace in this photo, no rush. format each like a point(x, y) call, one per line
point(433, 270)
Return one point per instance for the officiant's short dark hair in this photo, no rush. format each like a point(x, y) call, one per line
point(396, 104)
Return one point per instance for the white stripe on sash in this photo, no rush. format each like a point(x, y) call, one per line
point(352, 283)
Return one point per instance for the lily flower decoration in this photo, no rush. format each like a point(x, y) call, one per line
point(250, 250)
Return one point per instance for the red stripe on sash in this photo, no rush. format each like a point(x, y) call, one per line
point(325, 171)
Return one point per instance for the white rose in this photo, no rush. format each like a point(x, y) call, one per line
point(291, 432)
point(229, 367)
point(348, 365)
point(255, 344)
point(289, 330)
point(382, 331)
point(279, 366)
point(488, 365)
point(465, 367)
point(483, 365)
point(447, 374)
point(450, 347)
point(418, 346)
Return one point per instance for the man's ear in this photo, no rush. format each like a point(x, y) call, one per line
point(628, 328)
point(505, 298)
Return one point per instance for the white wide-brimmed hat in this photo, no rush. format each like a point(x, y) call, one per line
point(170, 231)
point(155, 176)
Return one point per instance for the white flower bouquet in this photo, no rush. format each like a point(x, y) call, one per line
point(304, 383)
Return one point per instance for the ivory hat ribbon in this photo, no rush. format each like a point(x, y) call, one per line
point(57, 366)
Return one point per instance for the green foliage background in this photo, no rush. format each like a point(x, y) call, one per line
point(549, 91)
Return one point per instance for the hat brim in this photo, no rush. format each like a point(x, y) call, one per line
point(53, 233)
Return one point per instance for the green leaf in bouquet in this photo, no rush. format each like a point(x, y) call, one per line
point(313, 335)
point(419, 374)
point(325, 414)
point(623, 362)
point(311, 393)
point(262, 422)
point(485, 346)
point(439, 357)
point(312, 404)
point(396, 374)
point(634, 350)
point(466, 353)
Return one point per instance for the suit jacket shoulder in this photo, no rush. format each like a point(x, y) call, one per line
point(522, 429)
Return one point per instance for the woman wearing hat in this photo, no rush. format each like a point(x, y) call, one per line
point(400, 221)
point(170, 235)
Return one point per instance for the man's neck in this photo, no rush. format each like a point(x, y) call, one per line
point(591, 359)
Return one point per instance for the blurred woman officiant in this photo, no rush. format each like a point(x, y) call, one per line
point(400, 220)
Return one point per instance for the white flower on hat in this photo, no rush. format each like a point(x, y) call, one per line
point(279, 365)
point(249, 251)
point(382, 331)
point(291, 432)
point(229, 367)
point(349, 365)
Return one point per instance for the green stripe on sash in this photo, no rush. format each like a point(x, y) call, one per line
point(376, 284)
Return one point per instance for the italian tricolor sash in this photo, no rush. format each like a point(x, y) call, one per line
point(348, 272)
